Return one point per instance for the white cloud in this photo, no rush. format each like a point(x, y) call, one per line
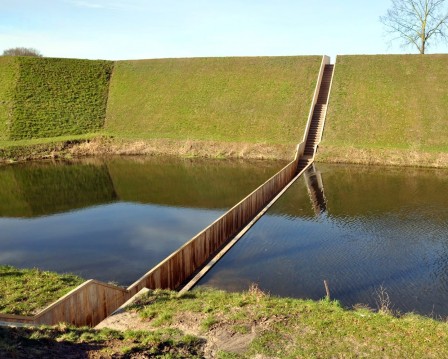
point(88, 4)
point(106, 4)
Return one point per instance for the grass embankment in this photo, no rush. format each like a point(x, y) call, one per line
point(56, 97)
point(210, 107)
point(247, 99)
point(26, 291)
point(244, 325)
point(388, 109)
point(47, 104)
point(9, 71)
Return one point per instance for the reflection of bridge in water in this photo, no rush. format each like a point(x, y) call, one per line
point(315, 187)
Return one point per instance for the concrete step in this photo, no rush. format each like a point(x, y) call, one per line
point(110, 319)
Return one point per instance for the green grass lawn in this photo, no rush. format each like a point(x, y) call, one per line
point(26, 291)
point(389, 102)
point(292, 328)
point(250, 99)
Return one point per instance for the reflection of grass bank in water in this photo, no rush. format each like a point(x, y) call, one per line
point(42, 188)
point(183, 182)
point(162, 180)
point(368, 191)
point(239, 325)
point(27, 291)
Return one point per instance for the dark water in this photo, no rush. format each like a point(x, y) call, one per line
point(360, 228)
point(113, 220)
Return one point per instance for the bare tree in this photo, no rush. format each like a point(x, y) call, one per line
point(417, 21)
point(22, 51)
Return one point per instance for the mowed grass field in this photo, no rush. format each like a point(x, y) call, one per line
point(247, 99)
point(389, 102)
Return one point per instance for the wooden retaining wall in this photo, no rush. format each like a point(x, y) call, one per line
point(87, 304)
point(93, 301)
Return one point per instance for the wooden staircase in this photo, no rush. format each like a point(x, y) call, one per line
point(303, 163)
point(319, 112)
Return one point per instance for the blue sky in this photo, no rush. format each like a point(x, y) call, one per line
point(133, 29)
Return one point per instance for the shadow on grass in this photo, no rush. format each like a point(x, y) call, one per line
point(31, 343)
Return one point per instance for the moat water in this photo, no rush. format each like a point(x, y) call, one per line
point(113, 220)
point(362, 229)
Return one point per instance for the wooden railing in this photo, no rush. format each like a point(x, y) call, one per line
point(93, 301)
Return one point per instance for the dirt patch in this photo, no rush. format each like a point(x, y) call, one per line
point(222, 336)
point(223, 339)
point(123, 321)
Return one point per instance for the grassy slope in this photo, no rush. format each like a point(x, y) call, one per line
point(292, 328)
point(389, 102)
point(25, 291)
point(261, 99)
point(8, 77)
point(251, 324)
point(55, 97)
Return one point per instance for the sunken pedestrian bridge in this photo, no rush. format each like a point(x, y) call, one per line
point(93, 301)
